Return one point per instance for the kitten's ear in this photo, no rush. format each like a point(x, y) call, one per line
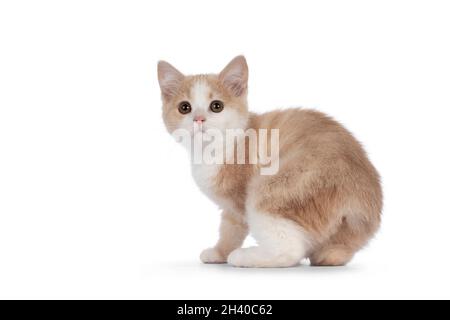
point(235, 76)
point(169, 79)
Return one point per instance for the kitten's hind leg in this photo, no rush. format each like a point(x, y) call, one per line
point(342, 246)
point(282, 242)
point(331, 256)
point(233, 231)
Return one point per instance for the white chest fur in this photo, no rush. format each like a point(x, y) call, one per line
point(205, 177)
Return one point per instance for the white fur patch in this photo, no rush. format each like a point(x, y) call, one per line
point(200, 96)
point(204, 175)
point(282, 242)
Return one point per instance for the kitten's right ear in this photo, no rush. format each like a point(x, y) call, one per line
point(235, 76)
point(169, 79)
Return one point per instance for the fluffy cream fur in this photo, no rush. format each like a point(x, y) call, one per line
point(323, 204)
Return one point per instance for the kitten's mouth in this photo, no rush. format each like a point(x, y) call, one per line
point(198, 127)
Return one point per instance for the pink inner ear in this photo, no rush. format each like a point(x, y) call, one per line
point(169, 79)
point(235, 76)
point(170, 86)
point(236, 85)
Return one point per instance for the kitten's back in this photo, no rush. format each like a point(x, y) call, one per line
point(325, 179)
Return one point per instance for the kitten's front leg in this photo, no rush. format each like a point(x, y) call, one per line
point(233, 231)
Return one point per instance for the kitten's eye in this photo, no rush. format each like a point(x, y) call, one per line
point(184, 107)
point(216, 106)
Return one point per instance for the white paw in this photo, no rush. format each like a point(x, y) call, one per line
point(244, 258)
point(257, 257)
point(212, 255)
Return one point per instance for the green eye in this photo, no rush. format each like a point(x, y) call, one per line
point(184, 107)
point(216, 106)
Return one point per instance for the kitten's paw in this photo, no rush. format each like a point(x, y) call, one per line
point(239, 258)
point(257, 257)
point(253, 257)
point(212, 255)
point(248, 258)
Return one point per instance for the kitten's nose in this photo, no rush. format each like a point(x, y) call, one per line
point(199, 119)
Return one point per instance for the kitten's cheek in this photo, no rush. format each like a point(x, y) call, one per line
point(187, 126)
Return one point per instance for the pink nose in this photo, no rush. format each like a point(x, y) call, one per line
point(199, 119)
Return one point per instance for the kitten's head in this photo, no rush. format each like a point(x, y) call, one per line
point(202, 102)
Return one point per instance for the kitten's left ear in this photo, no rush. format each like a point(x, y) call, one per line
point(235, 76)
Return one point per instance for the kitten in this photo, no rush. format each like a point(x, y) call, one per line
point(324, 202)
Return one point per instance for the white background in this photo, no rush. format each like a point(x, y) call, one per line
point(97, 201)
